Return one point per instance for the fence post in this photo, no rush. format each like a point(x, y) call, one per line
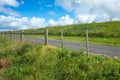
point(2, 34)
point(10, 35)
point(5, 33)
point(62, 43)
point(46, 36)
point(21, 35)
point(87, 44)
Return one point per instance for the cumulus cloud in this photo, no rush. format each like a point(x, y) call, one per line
point(8, 10)
point(21, 23)
point(92, 9)
point(84, 18)
point(64, 20)
point(13, 3)
point(51, 22)
point(37, 22)
point(16, 23)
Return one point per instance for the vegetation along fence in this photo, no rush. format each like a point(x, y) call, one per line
point(106, 33)
point(21, 33)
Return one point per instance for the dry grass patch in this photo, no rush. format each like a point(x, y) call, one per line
point(4, 63)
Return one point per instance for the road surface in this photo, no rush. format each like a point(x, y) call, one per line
point(93, 48)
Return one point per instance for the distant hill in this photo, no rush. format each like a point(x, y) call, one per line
point(102, 29)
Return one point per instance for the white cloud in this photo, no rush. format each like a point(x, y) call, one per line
point(21, 23)
point(100, 9)
point(51, 22)
point(37, 22)
point(34, 22)
point(8, 10)
point(84, 18)
point(13, 3)
point(64, 20)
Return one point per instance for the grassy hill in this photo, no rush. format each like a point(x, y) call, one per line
point(28, 61)
point(105, 33)
point(103, 29)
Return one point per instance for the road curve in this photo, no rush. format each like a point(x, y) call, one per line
point(93, 48)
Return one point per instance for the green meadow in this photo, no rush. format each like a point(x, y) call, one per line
point(30, 61)
point(105, 33)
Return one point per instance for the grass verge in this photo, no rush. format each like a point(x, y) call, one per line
point(112, 41)
point(29, 61)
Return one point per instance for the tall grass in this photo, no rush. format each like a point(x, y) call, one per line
point(40, 62)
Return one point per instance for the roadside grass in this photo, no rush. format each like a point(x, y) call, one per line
point(29, 61)
point(112, 41)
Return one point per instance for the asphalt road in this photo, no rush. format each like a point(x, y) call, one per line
point(93, 48)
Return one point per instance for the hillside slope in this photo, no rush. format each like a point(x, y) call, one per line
point(103, 29)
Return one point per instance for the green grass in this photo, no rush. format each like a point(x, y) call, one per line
point(104, 33)
point(28, 61)
point(103, 29)
point(107, 33)
point(112, 41)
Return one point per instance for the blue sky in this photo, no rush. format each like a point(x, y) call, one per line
point(41, 8)
point(25, 14)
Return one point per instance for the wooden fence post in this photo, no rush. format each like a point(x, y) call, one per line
point(2, 34)
point(10, 34)
point(62, 43)
point(87, 44)
point(5, 33)
point(46, 36)
point(21, 35)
